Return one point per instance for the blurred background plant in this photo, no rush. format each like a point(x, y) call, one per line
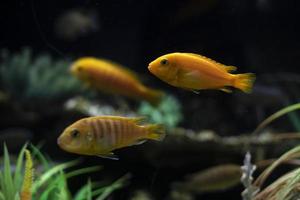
point(50, 180)
point(168, 112)
point(39, 80)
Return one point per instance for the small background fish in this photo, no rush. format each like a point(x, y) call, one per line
point(113, 78)
point(216, 178)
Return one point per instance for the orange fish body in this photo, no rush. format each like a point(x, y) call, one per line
point(112, 78)
point(103, 134)
point(196, 72)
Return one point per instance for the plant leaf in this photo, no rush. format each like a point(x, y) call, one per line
point(89, 190)
point(276, 115)
point(82, 171)
point(2, 196)
point(8, 187)
point(48, 175)
point(291, 154)
point(114, 186)
point(37, 153)
point(19, 166)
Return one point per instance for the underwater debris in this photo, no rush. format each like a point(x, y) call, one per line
point(37, 80)
point(176, 195)
point(141, 195)
point(101, 135)
point(167, 112)
point(92, 108)
point(216, 178)
point(112, 78)
point(76, 23)
point(247, 177)
point(3, 97)
point(186, 70)
point(182, 148)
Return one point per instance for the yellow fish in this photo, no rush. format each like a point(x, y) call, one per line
point(101, 135)
point(113, 78)
point(195, 72)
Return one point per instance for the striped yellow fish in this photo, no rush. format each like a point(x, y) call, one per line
point(196, 72)
point(102, 134)
point(113, 78)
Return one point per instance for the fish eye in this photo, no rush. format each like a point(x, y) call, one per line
point(74, 133)
point(164, 61)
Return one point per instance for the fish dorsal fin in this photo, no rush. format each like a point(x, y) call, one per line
point(206, 58)
point(230, 68)
point(225, 67)
point(138, 120)
point(109, 155)
point(124, 69)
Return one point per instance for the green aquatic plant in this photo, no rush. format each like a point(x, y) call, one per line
point(51, 180)
point(168, 112)
point(276, 115)
point(285, 187)
point(30, 80)
point(28, 177)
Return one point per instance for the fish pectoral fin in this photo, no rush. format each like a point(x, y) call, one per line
point(192, 90)
point(227, 90)
point(138, 142)
point(194, 75)
point(110, 155)
point(138, 120)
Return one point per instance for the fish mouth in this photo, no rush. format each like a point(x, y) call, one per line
point(150, 67)
point(73, 69)
point(60, 142)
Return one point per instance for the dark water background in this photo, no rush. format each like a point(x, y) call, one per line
point(260, 36)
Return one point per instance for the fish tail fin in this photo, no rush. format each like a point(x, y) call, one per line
point(244, 82)
point(153, 96)
point(156, 132)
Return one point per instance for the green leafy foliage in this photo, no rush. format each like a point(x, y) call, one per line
point(285, 187)
point(28, 79)
point(271, 118)
point(168, 112)
point(51, 182)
